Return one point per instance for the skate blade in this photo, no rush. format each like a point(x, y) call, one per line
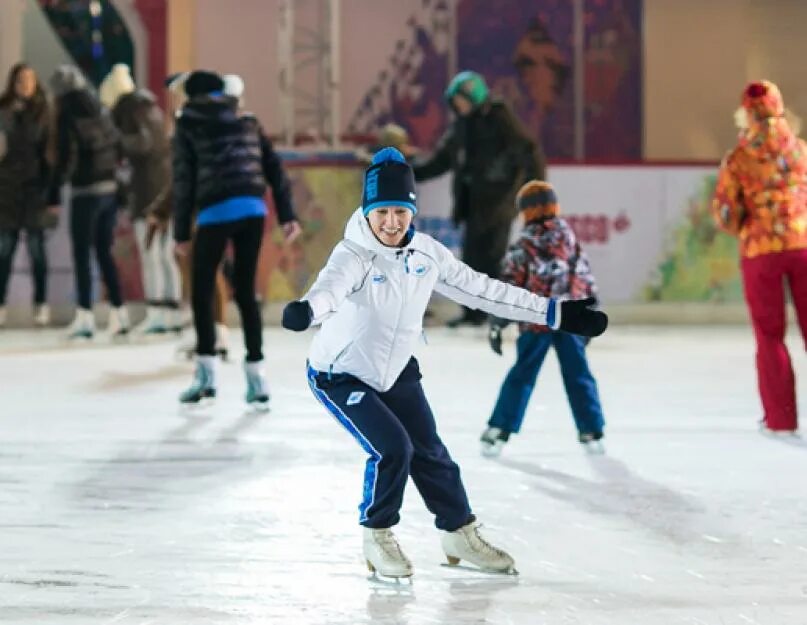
point(258, 407)
point(196, 407)
point(393, 580)
point(594, 448)
point(491, 451)
point(511, 572)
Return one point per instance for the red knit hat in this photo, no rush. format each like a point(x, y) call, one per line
point(762, 99)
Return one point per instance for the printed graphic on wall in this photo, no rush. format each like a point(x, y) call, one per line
point(409, 92)
point(702, 262)
point(324, 198)
point(526, 53)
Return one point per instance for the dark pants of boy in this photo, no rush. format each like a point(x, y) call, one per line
point(209, 245)
point(92, 225)
point(37, 256)
point(581, 388)
point(397, 430)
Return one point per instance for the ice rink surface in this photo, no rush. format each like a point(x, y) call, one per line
point(117, 508)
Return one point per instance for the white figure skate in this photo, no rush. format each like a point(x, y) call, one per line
point(383, 554)
point(467, 544)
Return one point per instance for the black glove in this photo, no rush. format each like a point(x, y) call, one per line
point(579, 317)
point(495, 333)
point(297, 316)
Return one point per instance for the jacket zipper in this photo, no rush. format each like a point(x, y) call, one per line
point(404, 286)
point(338, 356)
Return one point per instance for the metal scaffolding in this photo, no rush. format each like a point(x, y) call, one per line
point(309, 87)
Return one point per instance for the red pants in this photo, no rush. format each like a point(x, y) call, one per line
point(763, 279)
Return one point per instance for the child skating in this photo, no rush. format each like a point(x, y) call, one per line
point(546, 260)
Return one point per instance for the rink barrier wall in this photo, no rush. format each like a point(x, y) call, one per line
point(645, 227)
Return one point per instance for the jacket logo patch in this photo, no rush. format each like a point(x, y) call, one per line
point(379, 278)
point(354, 398)
point(421, 270)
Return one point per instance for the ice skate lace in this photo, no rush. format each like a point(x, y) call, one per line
point(389, 545)
point(485, 547)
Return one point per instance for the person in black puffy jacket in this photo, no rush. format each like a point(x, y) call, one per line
point(87, 155)
point(222, 163)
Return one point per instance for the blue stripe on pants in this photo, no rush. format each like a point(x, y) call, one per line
point(581, 388)
point(397, 429)
point(371, 469)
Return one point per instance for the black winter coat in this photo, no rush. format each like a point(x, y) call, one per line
point(24, 169)
point(491, 156)
point(87, 143)
point(146, 145)
point(220, 153)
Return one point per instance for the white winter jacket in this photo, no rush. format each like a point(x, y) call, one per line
point(370, 300)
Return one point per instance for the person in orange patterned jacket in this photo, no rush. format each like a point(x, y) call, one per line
point(546, 260)
point(761, 198)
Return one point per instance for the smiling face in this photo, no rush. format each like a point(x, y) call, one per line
point(25, 84)
point(390, 224)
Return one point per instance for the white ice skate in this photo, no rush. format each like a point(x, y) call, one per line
point(783, 435)
point(153, 323)
point(83, 326)
point(118, 326)
point(492, 441)
point(257, 389)
point(41, 315)
point(202, 390)
point(467, 544)
point(383, 554)
point(592, 443)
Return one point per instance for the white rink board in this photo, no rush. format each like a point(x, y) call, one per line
point(654, 199)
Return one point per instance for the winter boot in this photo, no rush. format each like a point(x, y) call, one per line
point(383, 553)
point(493, 440)
point(83, 326)
point(203, 387)
point(467, 543)
point(257, 388)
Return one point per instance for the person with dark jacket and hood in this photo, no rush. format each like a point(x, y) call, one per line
point(221, 166)
point(87, 155)
point(490, 155)
point(147, 148)
point(24, 169)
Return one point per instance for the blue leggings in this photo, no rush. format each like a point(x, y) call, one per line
point(581, 388)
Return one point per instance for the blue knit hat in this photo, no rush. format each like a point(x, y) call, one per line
point(389, 181)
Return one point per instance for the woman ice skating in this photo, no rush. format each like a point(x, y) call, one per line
point(761, 198)
point(223, 162)
point(370, 299)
